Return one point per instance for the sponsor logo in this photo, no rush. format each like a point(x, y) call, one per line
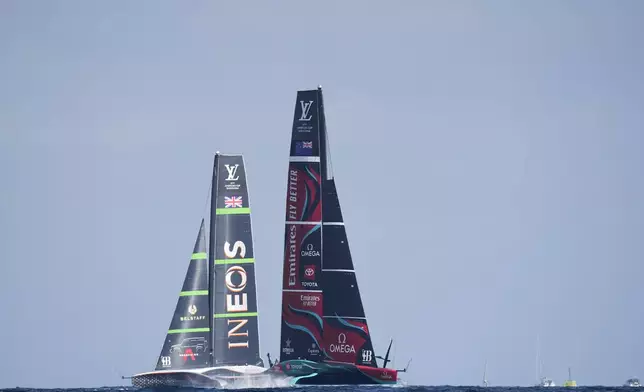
point(231, 179)
point(236, 279)
point(309, 275)
point(292, 195)
point(166, 361)
point(187, 353)
point(342, 346)
point(367, 355)
point(288, 349)
point(303, 148)
point(189, 347)
point(233, 202)
point(306, 108)
point(310, 251)
point(294, 366)
point(192, 310)
point(314, 350)
point(292, 255)
point(310, 300)
point(386, 376)
point(309, 272)
point(232, 172)
point(305, 117)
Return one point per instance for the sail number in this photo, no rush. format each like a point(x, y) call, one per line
point(236, 298)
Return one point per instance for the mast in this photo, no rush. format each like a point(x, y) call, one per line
point(211, 254)
point(537, 373)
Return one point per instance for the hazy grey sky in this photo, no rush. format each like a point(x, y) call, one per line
point(488, 158)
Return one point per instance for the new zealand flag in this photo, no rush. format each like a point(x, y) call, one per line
point(303, 148)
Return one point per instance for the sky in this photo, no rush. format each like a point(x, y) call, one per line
point(488, 159)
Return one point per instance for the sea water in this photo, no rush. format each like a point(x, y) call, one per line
point(343, 388)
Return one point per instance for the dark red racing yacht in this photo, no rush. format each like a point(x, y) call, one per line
point(325, 339)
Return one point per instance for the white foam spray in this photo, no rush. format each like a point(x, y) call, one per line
point(255, 381)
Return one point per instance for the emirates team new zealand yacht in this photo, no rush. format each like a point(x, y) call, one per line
point(325, 339)
point(213, 339)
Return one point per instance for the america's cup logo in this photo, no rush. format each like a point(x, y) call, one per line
point(232, 171)
point(306, 108)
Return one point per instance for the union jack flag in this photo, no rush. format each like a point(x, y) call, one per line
point(233, 202)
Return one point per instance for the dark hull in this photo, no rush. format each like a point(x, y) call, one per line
point(302, 372)
point(174, 379)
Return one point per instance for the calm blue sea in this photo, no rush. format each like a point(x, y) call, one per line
point(338, 389)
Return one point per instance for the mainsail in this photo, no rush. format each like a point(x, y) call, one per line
point(322, 313)
point(187, 344)
point(235, 333)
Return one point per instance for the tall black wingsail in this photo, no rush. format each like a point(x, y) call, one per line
point(347, 337)
point(187, 344)
point(322, 313)
point(235, 331)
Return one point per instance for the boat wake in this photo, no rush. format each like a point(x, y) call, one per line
point(255, 382)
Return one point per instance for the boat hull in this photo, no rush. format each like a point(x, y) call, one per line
point(303, 372)
point(213, 377)
point(181, 379)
